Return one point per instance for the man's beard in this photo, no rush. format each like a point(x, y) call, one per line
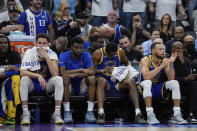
point(159, 57)
point(14, 19)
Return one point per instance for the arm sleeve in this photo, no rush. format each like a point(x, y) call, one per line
point(145, 48)
point(22, 18)
point(87, 60)
point(62, 59)
point(49, 18)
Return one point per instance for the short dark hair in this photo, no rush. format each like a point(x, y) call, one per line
point(156, 29)
point(111, 47)
point(95, 38)
point(134, 14)
point(77, 40)
point(154, 44)
point(123, 36)
point(42, 35)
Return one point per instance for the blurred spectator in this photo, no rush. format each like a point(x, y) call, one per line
point(64, 24)
point(192, 7)
point(81, 19)
point(97, 42)
point(47, 5)
point(186, 79)
point(189, 48)
point(131, 53)
point(112, 19)
point(131, 7)
point(166, 6)
point(18, 4)
point(71, 3)
point(11, 25)
point(36, 20)
point(147, 44)
point(100, 9)
point(165, 28)
point(93, 31)
point(193, 12)
point(139, 34)
point(60, 45)
point(4, 15)
point(139, 48)
point(179, 35)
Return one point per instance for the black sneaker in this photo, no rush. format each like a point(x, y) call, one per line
point(192, 119)
point(140, 119)
point(101, 118)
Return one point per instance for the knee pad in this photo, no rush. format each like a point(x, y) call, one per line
point(173, 85)
point(146, 85)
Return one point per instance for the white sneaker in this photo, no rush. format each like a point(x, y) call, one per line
point(177, 119)
point(151, 119)
point(25, 118)
point(57, 118)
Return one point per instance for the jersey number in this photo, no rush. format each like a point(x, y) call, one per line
point(42, 22)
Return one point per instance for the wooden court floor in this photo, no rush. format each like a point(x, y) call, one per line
point(95, 127)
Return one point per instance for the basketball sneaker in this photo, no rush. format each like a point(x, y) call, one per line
point(68, 117)
point(151, 119)
point(140, 119)
point(177, 119)
point(25, 118)
point(10, 121)
point(90, 118)
point(101, 118)
point(57, 118)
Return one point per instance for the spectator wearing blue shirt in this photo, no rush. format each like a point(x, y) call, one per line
point(147, 44)
point(35, 20)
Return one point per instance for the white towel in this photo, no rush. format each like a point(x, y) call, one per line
point(31, 58)
point(124, 72)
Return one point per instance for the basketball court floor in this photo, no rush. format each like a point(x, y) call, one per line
point(108, 126)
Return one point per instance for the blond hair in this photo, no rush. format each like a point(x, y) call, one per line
point(92, 31)
point(60, 9)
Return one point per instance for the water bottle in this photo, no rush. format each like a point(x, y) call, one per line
point(37, 115)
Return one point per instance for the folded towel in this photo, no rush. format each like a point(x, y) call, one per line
point(124, 72)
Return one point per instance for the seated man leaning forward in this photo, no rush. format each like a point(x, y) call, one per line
point(104, 60)
point(9, 81)
point(77, 70)
point(153, 70)
point(39, 73)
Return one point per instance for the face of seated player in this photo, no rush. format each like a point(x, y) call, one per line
point(77, 49)
point(158, 51)
point(3, 45)
point(98, 44)
point(42, 42)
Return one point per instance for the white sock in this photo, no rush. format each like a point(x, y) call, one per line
point(149, 110)
point(90, 106)
point(176, 110)
point(57, 109)
point(66, 106)
point(101, 110)
point(25, 109)
point(137, 111)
